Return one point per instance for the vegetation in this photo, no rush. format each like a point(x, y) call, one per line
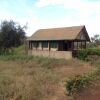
point(11, 35)
point(21, 80)
point(84, 54)
point(95, 39)
point(77, 83)
point(25, 77)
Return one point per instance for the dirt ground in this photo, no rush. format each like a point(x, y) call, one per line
point(91, 94)
point(65, 72)
point(35, 78)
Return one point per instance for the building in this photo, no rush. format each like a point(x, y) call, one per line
point(58, 42)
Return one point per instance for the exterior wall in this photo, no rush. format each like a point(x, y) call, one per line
point(52, 54)
point(53, 49)
point(46, 48)
point(39, 46)
point(33, 48)
point(81, 36)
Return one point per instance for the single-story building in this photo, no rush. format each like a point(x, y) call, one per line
point(58, 42)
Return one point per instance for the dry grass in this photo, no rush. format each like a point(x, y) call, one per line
point(37, 79)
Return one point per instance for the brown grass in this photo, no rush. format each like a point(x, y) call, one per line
point(37, 80)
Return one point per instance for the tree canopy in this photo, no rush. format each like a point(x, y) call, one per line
point(96, 39)
point(11, 35)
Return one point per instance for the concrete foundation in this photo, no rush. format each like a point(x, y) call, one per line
point(51, 54)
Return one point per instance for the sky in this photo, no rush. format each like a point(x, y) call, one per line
point(38, 14)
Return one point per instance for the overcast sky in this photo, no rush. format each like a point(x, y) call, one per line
point(52, 13)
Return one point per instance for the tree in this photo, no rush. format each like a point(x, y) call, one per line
point(95, 38)
point(11, 35)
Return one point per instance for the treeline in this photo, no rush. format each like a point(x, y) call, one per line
point(11, 35)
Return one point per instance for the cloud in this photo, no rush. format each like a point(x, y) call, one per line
point(20, 12)
point(69, 12)
point(79, 12)
point(79, 5)
point(83, 8)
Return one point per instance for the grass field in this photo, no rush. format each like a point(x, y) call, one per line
point(36, 78)
point(25, 77)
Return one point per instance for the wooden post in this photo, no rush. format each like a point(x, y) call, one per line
point(85, 44)
point(36, 44)
point(81, 44)
point(49, 45)
point(57, 46)
point(29, 45)
point(77, 45)
point(72, 45)
point(42, 45)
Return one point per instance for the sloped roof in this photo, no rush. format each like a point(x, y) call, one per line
point(65, 33)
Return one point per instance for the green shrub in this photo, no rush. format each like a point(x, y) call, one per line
point(77, 83)
point(83, 54)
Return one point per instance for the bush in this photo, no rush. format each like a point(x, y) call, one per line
point(83, 54)
point(77, 83)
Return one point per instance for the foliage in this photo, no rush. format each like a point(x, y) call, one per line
point(77, 83)
point(96, 39)
point(11, 35)
point(21, 50)
point(83, 54)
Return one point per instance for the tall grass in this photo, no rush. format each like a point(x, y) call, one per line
point(21, 80)
point(25, 77)
point(78, 83)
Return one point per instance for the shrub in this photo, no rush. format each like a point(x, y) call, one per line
point(83, 54)
point(77, 83)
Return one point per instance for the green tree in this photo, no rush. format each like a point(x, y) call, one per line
point(96, 39)
point(11, 35)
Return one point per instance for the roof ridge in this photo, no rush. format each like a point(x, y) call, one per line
point(61, 27)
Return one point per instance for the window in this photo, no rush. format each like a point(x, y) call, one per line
point(53, 44)
point(75, 45)
point(45, 44)
point(35, 44)
point(84, 45)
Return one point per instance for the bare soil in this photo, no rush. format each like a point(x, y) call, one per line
point(90, 94)
point(32, 81)
point(65, 72)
